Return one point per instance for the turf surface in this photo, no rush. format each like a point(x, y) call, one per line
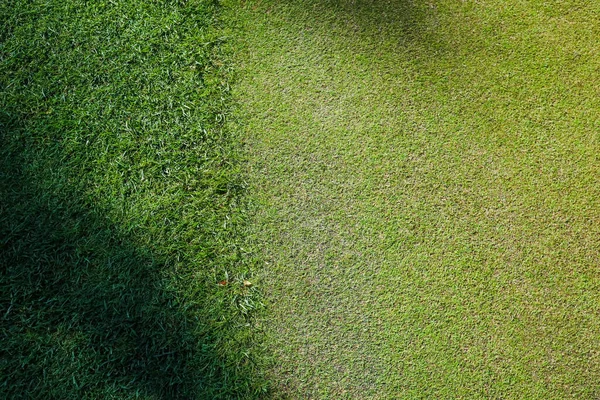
point(429, 198)
point(122, 206)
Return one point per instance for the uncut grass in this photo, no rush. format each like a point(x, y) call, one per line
point(428, 176)
point(121, 205)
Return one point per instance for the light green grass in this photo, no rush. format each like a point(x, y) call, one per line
point(121, 205)
point(428, 177)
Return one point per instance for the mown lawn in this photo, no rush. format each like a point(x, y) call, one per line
point(428, 175)
point(122, 205)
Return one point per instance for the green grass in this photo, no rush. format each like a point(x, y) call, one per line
point(122, 205)
point(428, 177)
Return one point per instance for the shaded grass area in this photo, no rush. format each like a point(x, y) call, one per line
point(121, 205)
point(429, 184)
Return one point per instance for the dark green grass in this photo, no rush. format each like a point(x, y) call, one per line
point(121, 205)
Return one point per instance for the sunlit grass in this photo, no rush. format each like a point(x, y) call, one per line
point(429, 184)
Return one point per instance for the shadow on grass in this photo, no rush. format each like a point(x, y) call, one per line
point(86, 313)
point(410, 23)
point(117, 190)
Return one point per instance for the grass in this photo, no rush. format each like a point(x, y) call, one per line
point(428, 185)
point(122, 205)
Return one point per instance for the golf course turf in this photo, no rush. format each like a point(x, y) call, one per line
point(427, 175)
point(299, 199)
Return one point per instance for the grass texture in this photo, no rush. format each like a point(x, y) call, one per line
point(121, 205)
point(429, 195)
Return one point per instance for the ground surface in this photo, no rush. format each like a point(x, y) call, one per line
point(427, 176)
point(121, 205)
point(424, 178)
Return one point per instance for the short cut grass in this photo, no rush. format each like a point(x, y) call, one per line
point(429, 176)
